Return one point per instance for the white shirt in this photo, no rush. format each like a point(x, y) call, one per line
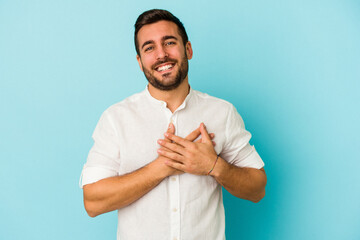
point(184, 206)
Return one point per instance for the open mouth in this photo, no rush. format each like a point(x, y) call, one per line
point(164, 67)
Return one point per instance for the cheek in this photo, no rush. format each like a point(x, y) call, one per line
point(178, 54)
point(147, 62)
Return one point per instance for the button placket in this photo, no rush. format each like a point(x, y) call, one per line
point(174, 194)
point(173, 120)
point(175, 206)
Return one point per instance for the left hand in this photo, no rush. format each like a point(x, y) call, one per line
point(187, 156)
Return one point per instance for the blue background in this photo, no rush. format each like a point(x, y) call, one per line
point(292, 69)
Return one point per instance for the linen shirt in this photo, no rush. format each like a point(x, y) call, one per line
point(183, 206)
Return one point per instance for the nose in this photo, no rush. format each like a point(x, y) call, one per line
point(161, 52)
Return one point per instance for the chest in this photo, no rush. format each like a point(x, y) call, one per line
point(139, 133)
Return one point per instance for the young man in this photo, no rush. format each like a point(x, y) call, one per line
point(153, 157)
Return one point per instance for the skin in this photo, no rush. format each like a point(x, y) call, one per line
point(164, 42)
point(160, 43)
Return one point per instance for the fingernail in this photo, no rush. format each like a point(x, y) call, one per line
point(166, 134)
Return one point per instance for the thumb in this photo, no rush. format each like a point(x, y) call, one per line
point(204, 134)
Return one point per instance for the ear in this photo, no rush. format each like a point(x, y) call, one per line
point(189, 51)
point(139, 62)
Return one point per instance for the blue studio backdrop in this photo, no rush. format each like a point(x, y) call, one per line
point(291, 68)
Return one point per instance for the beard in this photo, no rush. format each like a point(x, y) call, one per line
point(168, 83)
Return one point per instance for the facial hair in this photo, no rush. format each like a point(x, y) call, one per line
point(173, 83)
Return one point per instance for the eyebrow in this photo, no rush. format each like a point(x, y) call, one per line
point(168, 37)
point(164, 38)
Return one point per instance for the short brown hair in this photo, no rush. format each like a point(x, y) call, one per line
point(153, 16)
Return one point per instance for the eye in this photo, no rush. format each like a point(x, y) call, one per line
point(148, 49)
point(170, 43)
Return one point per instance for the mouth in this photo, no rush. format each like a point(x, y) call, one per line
point(163, 68)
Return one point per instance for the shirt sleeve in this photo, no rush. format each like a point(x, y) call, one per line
point(103, 158)
point(237, 149)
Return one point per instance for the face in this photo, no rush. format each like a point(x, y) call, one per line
point(163, 56)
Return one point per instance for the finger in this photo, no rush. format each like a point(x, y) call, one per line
point(181, 141)
point(172, 146)
point(175, 165)
point(199, 141)
point(193, 135)
point(204, 133)
point(171, 129)
point(211, 135)
point(171, 155)
point(165, 149)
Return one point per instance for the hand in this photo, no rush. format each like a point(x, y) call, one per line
point(173, 171)
point(191, 137)
point(188, 156)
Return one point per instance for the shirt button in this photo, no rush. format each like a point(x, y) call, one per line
point(174, 209)
point(173, 179)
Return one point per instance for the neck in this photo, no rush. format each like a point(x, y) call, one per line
point(173, 98)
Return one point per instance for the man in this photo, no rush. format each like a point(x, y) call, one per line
point(153, 157)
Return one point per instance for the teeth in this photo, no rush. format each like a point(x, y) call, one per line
point(163, 68)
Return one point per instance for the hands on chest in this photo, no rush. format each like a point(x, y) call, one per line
point(186, 154)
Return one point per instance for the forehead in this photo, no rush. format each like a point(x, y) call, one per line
point(156, 31)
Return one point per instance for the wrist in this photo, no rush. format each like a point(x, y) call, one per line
point(213, 165)
point(160, 168)
point(219, 168)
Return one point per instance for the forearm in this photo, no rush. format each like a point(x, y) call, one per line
point(245, 183)
point(116, 192)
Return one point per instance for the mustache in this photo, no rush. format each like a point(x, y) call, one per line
point(162, 61)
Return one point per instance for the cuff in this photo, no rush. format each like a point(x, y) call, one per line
point(94, 174)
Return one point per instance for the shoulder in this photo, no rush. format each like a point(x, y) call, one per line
point(204, 98)
point(218, 107)
point(130, 103)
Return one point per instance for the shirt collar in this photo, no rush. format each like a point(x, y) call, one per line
point(163, 103)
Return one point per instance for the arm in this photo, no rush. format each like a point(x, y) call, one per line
point(246, 183)
point(199, 158)
point(116, 192)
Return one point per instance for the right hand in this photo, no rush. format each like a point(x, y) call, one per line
point(191, 137)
